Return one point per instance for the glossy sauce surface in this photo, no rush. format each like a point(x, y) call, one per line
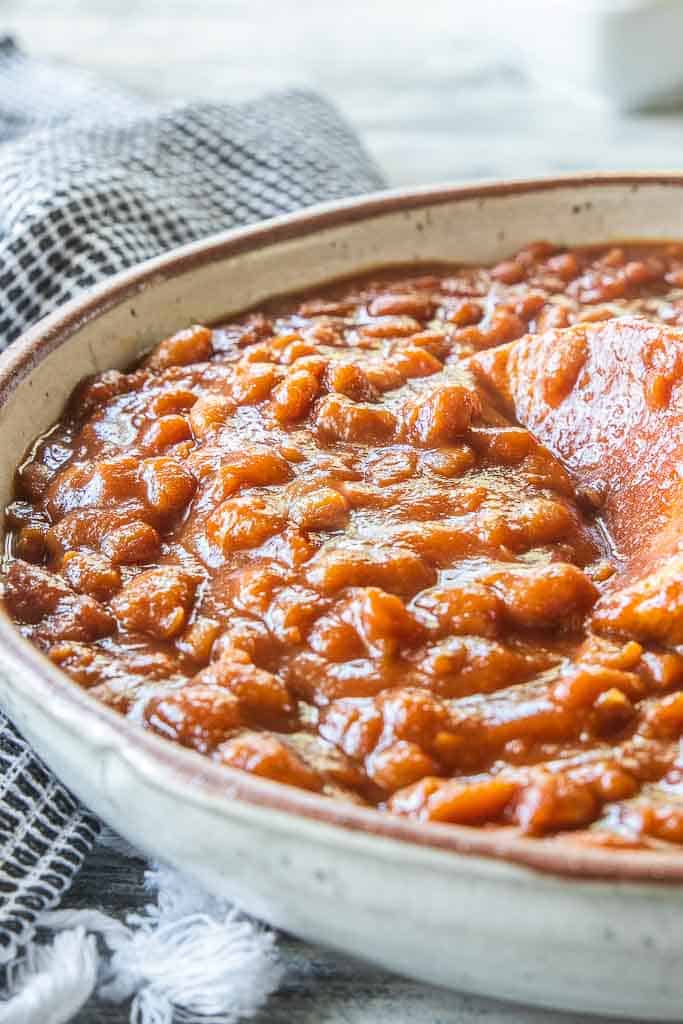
point(320, 544)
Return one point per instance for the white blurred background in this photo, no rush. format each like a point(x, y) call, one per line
point(439, 89)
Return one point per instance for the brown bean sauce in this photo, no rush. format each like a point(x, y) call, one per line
point(413, 542)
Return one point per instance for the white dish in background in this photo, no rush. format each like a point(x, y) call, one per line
point(539, 921)
point(627, 52)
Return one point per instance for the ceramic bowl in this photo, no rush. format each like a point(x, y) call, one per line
point(540, 921)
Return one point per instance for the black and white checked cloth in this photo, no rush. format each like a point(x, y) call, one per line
point(92, 181)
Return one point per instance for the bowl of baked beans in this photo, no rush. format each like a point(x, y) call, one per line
point(343, 570)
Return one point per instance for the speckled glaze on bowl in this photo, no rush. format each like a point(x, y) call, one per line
point(538, 921)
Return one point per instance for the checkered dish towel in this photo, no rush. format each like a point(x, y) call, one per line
point(92, 181)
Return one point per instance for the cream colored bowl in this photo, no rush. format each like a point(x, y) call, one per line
point(538, 921)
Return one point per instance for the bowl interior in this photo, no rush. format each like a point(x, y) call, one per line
point(115, 323)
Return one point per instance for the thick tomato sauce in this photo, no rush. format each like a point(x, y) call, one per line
point(320, 544)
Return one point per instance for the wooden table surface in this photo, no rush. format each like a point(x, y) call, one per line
point(428, 90)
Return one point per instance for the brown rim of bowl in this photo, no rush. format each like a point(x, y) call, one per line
point(145, 751)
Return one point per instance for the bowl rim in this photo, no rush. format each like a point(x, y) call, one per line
point(162, 762)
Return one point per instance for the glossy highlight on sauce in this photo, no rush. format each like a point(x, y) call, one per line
point(412, 542)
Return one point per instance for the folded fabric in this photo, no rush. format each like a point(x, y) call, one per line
point(92, 181)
